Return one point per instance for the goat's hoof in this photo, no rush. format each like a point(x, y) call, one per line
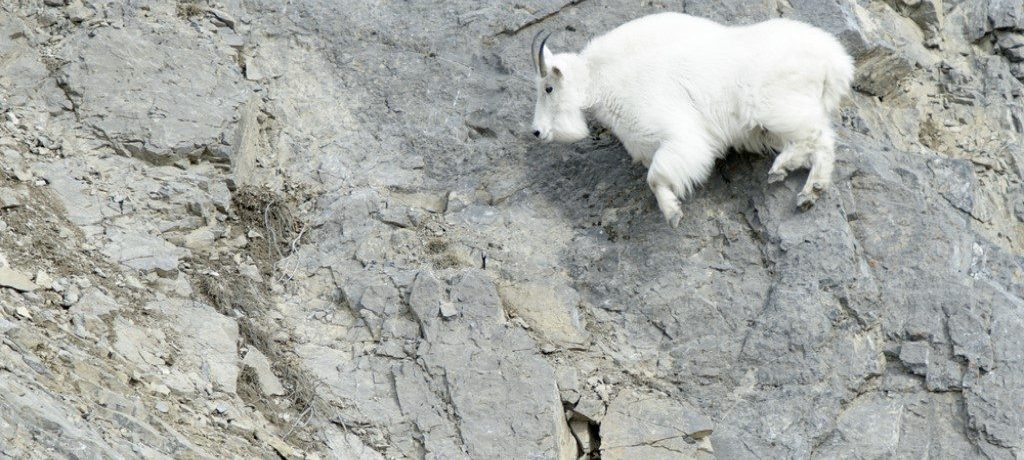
point(806, 200)
point(673, 218)
point(776, 176)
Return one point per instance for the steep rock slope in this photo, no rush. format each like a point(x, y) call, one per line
point(311, 228)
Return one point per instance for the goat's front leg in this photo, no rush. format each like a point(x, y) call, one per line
point(675, 170)
point(667, 202)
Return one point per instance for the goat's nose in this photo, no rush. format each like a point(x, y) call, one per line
point(536, 133)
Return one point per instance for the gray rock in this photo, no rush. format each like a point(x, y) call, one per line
point(78, 12)
point(200, 239)
point(431, 201)
point(44, 280)
point(871, 424)
point(12, 198)
point(882, 323)
point(206, 342)
point(26, 80)
point(174, 109)
point(914, 355)
point(549, 308)
point(95, 304)
point(839, 18)
point(10, 278)
point(143, 252)
point(648, 426)
point(590, 409)
point(265, 378)
point(137, 345)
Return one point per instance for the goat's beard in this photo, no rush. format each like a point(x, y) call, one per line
point(571, 128)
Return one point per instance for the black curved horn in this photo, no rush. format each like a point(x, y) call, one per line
point(540, 56)
point(533, 48)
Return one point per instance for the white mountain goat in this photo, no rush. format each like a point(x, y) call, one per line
point(679, 90)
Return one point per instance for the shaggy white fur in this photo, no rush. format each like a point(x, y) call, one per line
point(679, 90)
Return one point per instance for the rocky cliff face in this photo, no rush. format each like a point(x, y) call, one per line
point(254, 228)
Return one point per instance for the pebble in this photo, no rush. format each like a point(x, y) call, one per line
point(162, 407)
point(448, 310)
point(44, 280)
point(11, 198)
point(72, 295)
point(160, 388)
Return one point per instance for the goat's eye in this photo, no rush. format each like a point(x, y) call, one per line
point(548, 90)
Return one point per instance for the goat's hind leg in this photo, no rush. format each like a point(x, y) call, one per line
point(794, 155)
point(803, 126)
point(822, 163)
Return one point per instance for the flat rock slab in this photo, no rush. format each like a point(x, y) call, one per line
point(653, 427)
point(16, 280)
point(143, 252)
point(265, 378)
point(207, 342)
point(155, 94)
point(551, 309)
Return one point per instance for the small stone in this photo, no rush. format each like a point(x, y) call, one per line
point(430, 201)
point(5, 326)
point(250, 271)
point(71, 295)
point(253, 70)
point(223, 17)
point(1018, 210)
point(12, 198)
point(459, 200)
point(396, 215)
point(265, 378)
point(162, 407)
point(567, 379)
point(24, 175)
point(44, 280)
point(914, 355)
point(200, 239)
point(77, 12)
point(160, 388)
point(589, 408)
point(233, 40)
point(448, 310)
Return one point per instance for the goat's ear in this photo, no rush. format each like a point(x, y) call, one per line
point(548, 60)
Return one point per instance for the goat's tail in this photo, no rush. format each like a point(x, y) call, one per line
point(838, 78)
